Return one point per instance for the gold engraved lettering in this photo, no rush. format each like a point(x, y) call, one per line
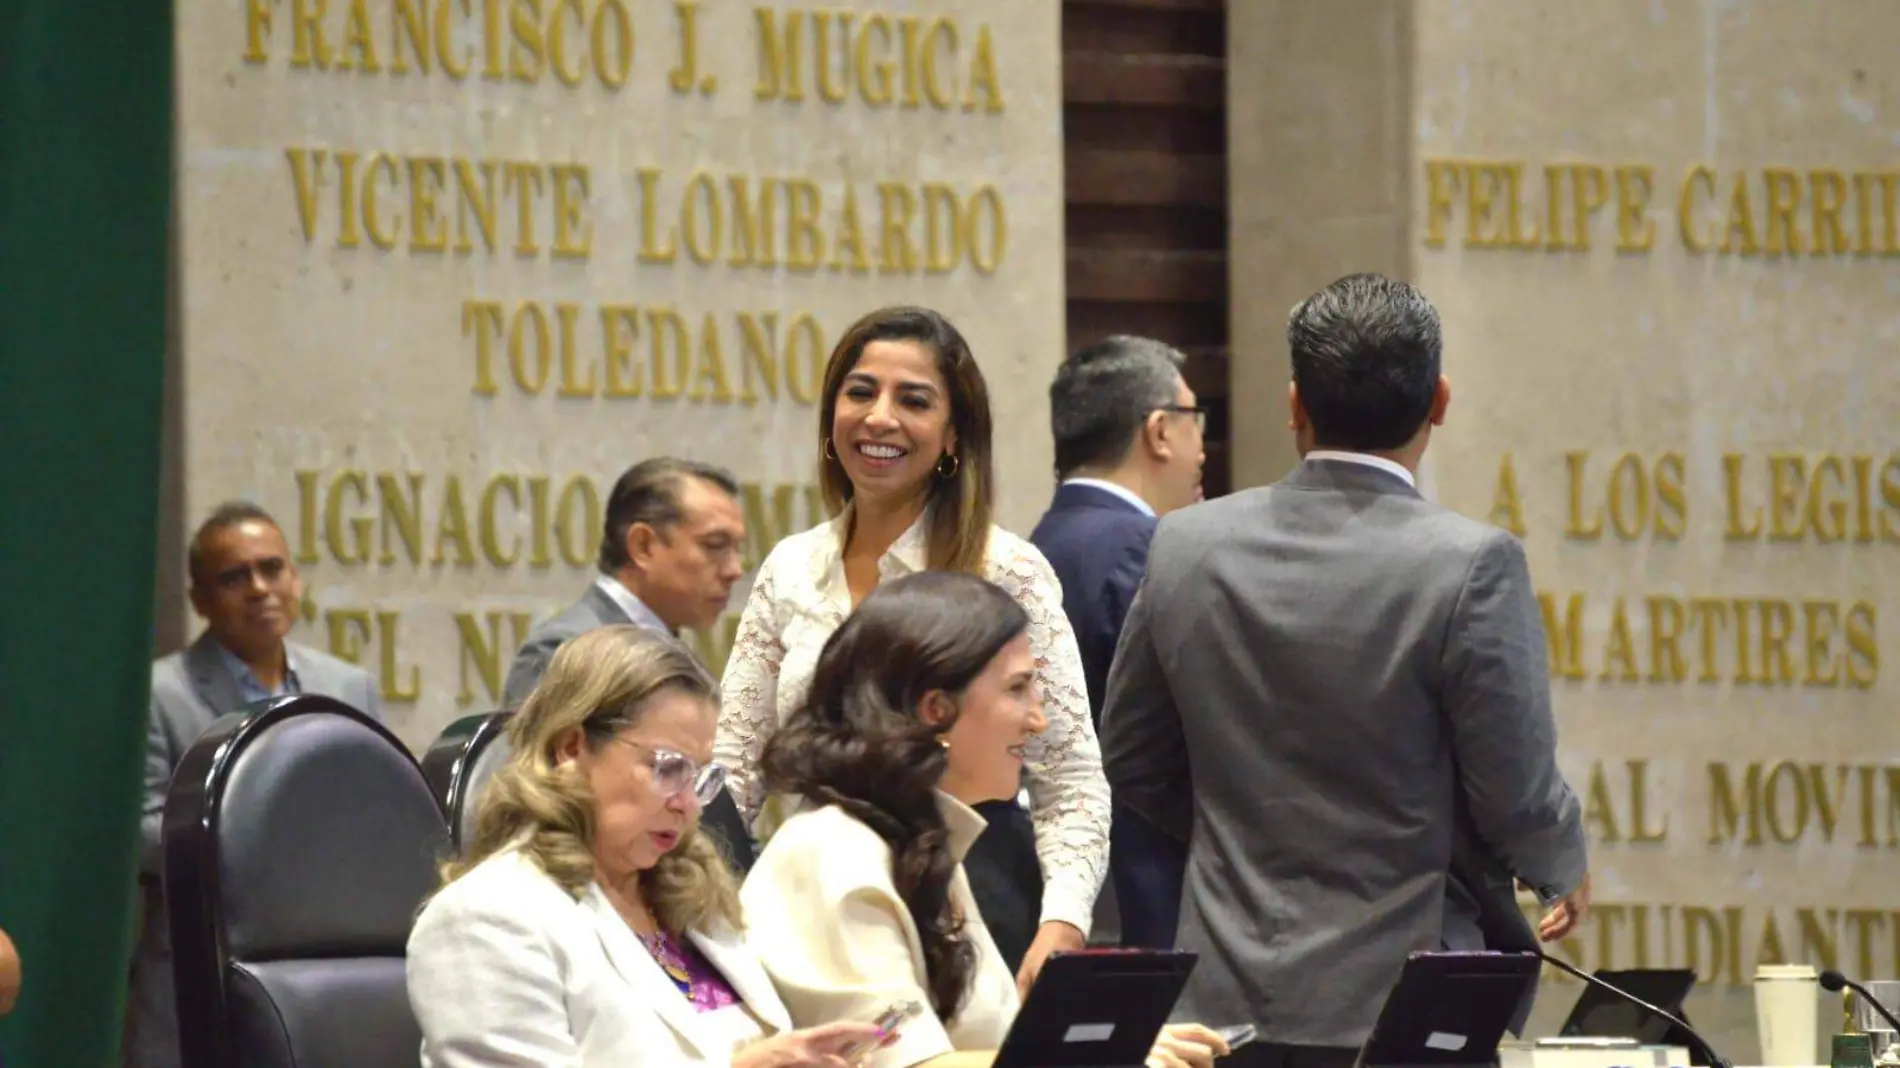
point(554, 195)
point(1700, 179)
point(485, 651)
point(685, 77)
point(909, 61)
point(1564, 634)
point(308, 514)
point(349, 628)
point(684, 355)
point(577, 521)
point(747, 221)
point(522, 40)
point(1589, 188)
point(1619, 652)
point(1507, 511)
point(1635, 231)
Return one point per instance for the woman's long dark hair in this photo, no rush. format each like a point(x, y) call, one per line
point(857, 742)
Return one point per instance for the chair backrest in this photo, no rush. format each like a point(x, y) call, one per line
point(722, 821)
point(300, 840)
point(469, 750)
point(459, 761)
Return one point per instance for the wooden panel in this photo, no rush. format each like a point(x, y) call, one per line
point(1210, 7)
point(1146, 275)
point(1108, 126)
point(1206, 370)
point(1147, 226)
point(1172, 81)
point(1129, 31)
point(1107, 176)
point(1144, 126)
point(1185, 326)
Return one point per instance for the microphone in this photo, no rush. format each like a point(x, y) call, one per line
point(1715, 1059)
point(1834, 982)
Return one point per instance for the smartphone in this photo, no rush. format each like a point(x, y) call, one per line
point(891, 1021)
point(1237, 1035)
point(899, 1014)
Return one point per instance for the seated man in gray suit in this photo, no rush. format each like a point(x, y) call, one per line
point(246, 588)
point(1337, 693)
point(669, 556)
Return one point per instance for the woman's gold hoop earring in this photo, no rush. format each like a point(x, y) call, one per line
point(830, 453)
point(955, 465)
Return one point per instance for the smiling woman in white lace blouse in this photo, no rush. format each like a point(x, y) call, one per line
point(904, 434)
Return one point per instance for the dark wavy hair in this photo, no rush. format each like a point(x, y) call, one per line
point(857, 741)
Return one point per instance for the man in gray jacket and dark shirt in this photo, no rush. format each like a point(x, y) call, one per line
point(246, 587)
point(1338, 693)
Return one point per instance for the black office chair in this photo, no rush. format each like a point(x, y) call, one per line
point(722, 821)
point(469, 750)
point(300, 840)
point(458, 762)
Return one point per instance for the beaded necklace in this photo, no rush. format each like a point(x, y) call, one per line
point(671, 959)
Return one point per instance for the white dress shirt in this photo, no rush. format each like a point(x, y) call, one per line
point(1114, 488)
point(633, 607)
point(826, 920)
point(1365, 459)
point(800, 597)
point(507, 970)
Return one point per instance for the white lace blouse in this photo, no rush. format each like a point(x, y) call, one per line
point(800, 597)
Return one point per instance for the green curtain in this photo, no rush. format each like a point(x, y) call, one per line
point(85, 179)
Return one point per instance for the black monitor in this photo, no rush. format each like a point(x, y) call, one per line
point(1601, 1014)
point(1448, 1010)
point(1096, 1009)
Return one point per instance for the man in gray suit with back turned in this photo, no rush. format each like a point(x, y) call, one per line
point(246, 587)
point(1337, 692)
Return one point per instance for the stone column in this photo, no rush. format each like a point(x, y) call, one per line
point(1318, 161)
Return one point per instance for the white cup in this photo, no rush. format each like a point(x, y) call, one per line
point(1787, 1002)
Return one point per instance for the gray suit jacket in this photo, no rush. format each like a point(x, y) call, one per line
point(1339, 693)
point(190, 690)
point(594, 609)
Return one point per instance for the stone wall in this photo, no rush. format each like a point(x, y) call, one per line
point(448, 266)
point(1662, 235)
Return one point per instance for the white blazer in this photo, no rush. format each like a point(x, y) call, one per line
point(838, 941)
point(506, 970)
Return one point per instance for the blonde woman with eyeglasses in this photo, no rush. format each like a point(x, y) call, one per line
point(589, 923)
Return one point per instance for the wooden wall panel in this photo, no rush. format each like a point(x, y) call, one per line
point(1145, 131)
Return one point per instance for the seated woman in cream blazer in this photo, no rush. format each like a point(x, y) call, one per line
point(589, 923)
point(919, 708)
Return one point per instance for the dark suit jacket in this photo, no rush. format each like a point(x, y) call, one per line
point(1098, 545)
point(1344, 690)
point(594, 609)
point(1097, 542)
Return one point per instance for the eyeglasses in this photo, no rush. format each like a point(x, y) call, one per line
point(1199, 414)
point(268, 570)
point(675, 773)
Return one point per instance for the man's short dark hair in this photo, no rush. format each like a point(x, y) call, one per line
point(228, 514)
point(649, 492)
point(1366, 355)
point(1104, 393)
